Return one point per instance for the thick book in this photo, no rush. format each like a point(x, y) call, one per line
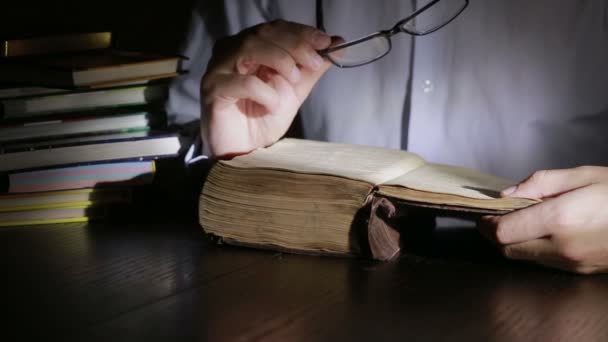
point(100, 175)
point(57, 101)
point(88, 69)
point(55, 44)
point(64, 199)
point(318, 197)
point(91, 152)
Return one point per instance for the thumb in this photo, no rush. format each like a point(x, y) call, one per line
point(551, 183)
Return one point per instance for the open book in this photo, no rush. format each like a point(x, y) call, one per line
point(311, 196)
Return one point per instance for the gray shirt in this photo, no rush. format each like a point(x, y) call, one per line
point(509, 87)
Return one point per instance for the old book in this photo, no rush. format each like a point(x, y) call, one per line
point(317, 197)
point(55, 44)
point(88, 69)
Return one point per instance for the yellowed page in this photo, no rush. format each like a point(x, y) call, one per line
point(369, 164)
point(453, 180)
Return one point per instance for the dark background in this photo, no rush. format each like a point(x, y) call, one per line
point(147, 25)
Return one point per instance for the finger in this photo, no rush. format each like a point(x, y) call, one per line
point(550, 183)
point(487, 228)
point(336, 40)
point(308, 80)
point(300, 41)
point(534, 250)
point(543, 252)
point(227, 89)
point(574, 212)
point(317, 38)
point(522, 225)
point(260, 52)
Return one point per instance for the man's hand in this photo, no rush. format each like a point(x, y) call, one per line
point(255, 83)
point(568, 230)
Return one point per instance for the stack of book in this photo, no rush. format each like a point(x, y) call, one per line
point(81, 125)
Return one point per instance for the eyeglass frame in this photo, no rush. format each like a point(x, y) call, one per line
point(387, 34)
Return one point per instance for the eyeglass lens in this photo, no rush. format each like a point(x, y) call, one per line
point(436, 16)
point(361, 53)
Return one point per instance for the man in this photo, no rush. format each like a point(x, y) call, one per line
point(509, 87)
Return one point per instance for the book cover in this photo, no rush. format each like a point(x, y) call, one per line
point(83, 176)
point(7, 92)
point(63, 128)
point(149, 147)
point(51, 216)
point(20, 146)
point(55, 102)
point(64, 199)
point(55, 44)
point(88, 68)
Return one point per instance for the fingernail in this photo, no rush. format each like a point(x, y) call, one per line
point(321, 38)
point(295, 74)
point(316, 61)
point(509, 191)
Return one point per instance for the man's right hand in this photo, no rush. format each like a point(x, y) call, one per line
point(256, 82)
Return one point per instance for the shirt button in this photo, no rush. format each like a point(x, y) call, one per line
point(428, 86)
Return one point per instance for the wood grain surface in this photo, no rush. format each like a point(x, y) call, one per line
point(165, 281)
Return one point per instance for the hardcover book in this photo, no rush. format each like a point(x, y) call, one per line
point(27, 145)
point(60, 101)
point(97, 175)
point(91, 152)
point(87, 69)
point(82, 213)
point(317, 197)
point(55, 44)
point(63, 199)
point(63, 128)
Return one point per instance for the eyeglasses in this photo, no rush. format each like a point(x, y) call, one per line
point(430, 17)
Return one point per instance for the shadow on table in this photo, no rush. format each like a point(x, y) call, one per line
point(171, 198)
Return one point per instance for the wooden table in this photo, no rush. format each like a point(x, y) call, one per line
point(165, 281)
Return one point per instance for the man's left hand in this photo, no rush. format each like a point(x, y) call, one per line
point(567, 230)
